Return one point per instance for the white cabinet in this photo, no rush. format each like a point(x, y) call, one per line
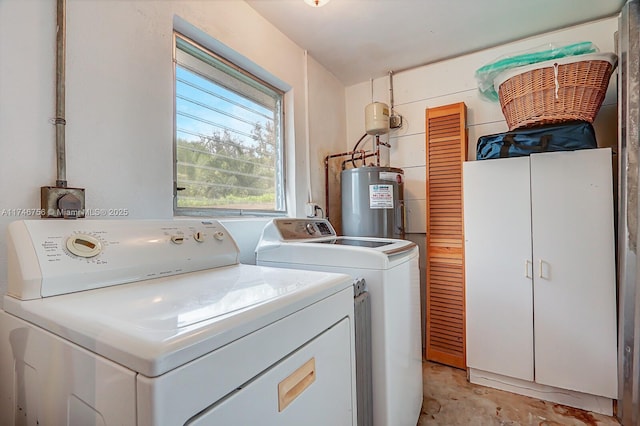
point(540, 270)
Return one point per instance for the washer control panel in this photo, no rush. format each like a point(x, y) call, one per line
point(48, 258)
point(300, 229)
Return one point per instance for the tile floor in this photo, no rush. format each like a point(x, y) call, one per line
point(450, 400)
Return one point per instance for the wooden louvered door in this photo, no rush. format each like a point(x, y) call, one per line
point(446, 150)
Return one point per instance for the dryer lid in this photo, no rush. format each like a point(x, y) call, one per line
point(157, 325)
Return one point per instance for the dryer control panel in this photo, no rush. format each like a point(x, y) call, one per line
point(49, 258)
point(301, 229)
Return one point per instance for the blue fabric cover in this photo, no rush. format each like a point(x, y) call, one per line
point(568, 136)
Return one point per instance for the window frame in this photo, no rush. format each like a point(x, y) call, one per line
point(280, 174)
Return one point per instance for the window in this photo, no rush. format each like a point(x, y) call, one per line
point(228, 137)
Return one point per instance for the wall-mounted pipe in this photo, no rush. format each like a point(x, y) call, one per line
point(391, 91)
point(61, 180)
point(362, 157)
point(356, 155)
point(355, 149)
point(61, 201)
point(377, 153)
point(395, 120)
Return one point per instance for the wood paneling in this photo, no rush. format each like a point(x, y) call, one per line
point(446, 150)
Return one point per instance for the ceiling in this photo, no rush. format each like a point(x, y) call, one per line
point(362, 39)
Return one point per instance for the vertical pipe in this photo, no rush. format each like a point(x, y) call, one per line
point(628, 207)
point(391, 91)
point(326, 186)
point(60, 122)
point(371, 84)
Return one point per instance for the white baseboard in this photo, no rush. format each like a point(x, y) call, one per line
point(584, 401)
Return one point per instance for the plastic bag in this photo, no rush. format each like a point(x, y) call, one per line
point(487, 73)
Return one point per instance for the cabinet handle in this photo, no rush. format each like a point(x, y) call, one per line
point(540, 266)
point(526, 269)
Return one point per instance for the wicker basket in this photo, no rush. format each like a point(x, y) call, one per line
point(566, 89)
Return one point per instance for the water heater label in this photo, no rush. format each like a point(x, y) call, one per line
point(390, 176)
point(381, 196)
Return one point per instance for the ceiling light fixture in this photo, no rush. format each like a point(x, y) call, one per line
point(316, 3)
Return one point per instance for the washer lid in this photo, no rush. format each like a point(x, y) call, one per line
point(157, 325)
point(345, 252)
point(314, 242)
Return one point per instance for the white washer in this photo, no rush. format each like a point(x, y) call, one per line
point(155, 323)
point(391, 273)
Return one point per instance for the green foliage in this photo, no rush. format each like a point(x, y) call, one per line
point(261, 202)
point(224, 171)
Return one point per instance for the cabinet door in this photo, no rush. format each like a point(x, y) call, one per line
point(574, 283)
point(498, 266)
point(446, 150)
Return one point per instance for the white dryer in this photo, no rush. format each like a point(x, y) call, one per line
point(391, 272)
point(155, 323)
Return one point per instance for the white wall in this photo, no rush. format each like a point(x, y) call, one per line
point(120, 101)
point(453, 81)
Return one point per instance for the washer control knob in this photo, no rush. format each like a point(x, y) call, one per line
point(83, 245)
point(311, 230)
point(177, 239)
point(199, 236)
point(219, 235)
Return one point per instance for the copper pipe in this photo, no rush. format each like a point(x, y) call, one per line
point(355, 147)
point(361, 158)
